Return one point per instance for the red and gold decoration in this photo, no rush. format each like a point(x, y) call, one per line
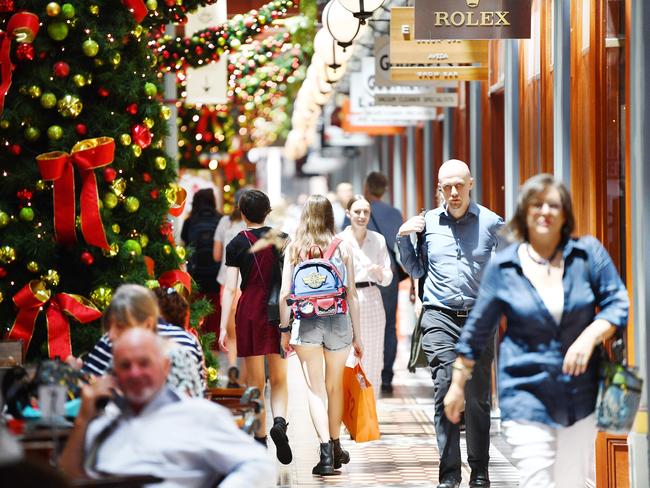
point(87, 156)
point(35, 297)
point(22, 28)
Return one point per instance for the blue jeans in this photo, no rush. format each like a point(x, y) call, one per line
point(389, 297)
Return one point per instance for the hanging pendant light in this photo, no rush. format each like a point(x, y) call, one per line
point(361, 9)
point(340, 23)
point(328, 49)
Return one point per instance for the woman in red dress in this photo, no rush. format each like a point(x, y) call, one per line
point(256, 337)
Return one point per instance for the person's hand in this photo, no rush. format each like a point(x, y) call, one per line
point(414, 224)
point(375, 272)
point(74, 362)
point(101, 387)
point(454, 403)
point(222, 339)
point(577, 356)
point(357, 345)
point(285, 337)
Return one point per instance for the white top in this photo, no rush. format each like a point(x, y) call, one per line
point(190, 442)
point(372, 251)
point(225, 232)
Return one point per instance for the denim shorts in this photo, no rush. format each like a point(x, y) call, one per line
point(333, 332)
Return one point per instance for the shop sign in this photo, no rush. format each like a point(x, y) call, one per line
point(207, 84)
point(472, 19)
point(426, 100)
point(383, 65)
point(405, 49)
point(439, 73)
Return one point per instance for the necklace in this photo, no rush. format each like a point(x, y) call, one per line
point(541, 261)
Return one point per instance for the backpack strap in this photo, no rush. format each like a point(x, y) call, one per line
point(250, 236)
point(332, 248)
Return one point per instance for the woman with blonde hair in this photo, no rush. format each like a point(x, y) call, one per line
point(322, 340)
point(371, 269)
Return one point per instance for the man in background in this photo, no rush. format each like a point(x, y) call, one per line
point(340, 204)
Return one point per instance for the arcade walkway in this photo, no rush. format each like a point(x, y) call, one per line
point(405, 456)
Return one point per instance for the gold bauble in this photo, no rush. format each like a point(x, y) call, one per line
point(160, 163)
point(165, 112)
point(101, 297)
point(125, 139)
point(137, 32)
point(212, 374)
point(170, 194)
point(34, 91)
point(112, 251)
point(32, 267)
point(1, 297)
point(98, 62)
point(144, 240)
point(167, 249)
point(7, 254)
point(40, 185)
point(79, 80)
point(94, 9)
point(110, 200)
point(116, 59)
point(53, 9)
point(137, 150)
point(69, 106)
point(116, 228)
point(151, 284)
point(148, 122)
point(4, 124)
point(118, 186)
point(181, 253)
point(52, 277)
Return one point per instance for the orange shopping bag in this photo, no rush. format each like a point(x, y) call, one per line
point(359, 411)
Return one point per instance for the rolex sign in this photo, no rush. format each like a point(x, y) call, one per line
point(472, 19)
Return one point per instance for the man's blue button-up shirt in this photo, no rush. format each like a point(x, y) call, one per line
point(532, 386)
point(456, 252)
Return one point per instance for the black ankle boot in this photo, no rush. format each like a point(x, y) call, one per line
point(326, 465)
point(279, 436)
point(341, 456)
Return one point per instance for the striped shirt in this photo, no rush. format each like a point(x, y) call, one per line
point(100, 359)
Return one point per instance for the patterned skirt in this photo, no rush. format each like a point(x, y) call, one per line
point(373, 327)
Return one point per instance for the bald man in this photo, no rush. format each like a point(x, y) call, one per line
point(189, 442)
point(456, 241)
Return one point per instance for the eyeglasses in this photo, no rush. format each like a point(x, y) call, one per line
point(538, 206)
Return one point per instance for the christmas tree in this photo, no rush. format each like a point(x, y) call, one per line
point(86, 186)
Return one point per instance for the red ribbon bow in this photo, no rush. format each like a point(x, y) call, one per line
point(137, 8)
point(207, 123)
point(180, 280)
point(58, 167)
point(31, 300)
point(22, 27)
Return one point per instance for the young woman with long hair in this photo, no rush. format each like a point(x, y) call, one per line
point(371, 269)
point(322, 340)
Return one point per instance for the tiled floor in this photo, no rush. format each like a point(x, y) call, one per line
point(405, 456)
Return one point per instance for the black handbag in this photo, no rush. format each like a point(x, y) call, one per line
point(619, 393)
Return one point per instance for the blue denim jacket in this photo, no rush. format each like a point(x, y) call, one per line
point(531, 383)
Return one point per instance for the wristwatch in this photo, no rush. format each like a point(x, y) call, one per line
point(285, 329)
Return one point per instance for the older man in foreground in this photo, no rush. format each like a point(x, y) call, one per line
point(149, 429)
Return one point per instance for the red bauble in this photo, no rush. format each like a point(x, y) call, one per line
point(132, 108)
point(154, 195)
point(61, 69)
point(109, 174)
point(15, 149)
point(141, 135)
point(166, 228)
point(25, 52)
point(24, 194)
point(170, 3)
point(7, 6)
point(103, 92)
point(3, 273)
point(146, 177)
point(81, 129)
point(87, 258)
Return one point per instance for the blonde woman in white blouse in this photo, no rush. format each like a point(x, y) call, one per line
point(371, 269)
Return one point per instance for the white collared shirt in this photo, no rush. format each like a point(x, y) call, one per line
point(189, 442)
point(372, 251)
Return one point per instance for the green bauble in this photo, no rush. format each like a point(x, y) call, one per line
point(4, 219)
point(90, 48)
point(48, 100)
point(132, 247)
point(26, 214)
point(58, 30)
point(131, 204)
point(32, 134)
point(110, 200)
point(68, 10)
point(55, 132)
point(152, 4)
point(235, 44)
point(150, 89)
